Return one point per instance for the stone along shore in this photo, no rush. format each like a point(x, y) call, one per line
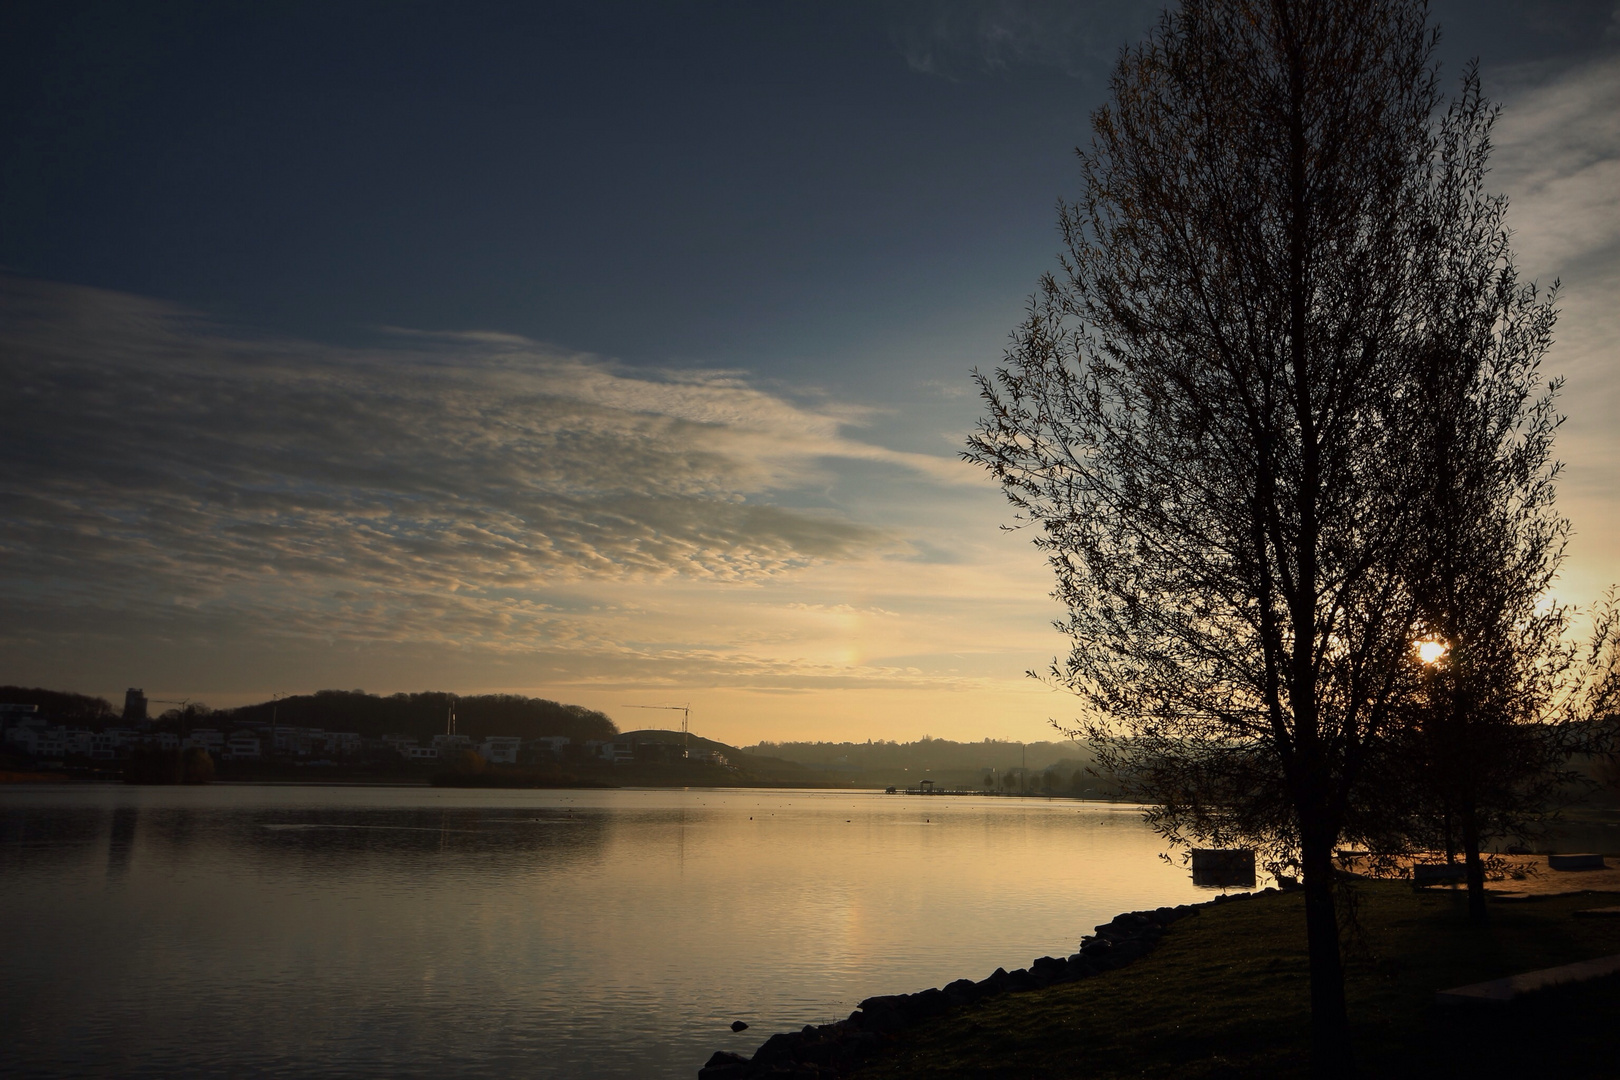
point(834, 1050)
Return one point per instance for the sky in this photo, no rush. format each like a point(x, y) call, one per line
point(612, 353)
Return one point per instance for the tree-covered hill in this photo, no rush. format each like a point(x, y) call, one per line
point(60, 706)
point(760, 766)
point(425, 714)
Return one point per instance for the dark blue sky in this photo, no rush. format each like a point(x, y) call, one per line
point(772, 186)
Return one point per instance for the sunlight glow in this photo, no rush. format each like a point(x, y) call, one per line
point(1430, 652)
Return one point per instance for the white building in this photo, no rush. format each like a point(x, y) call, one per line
point(205, 739)
point(344, 743)
point(610, 751)
point(300, 741)
point(110, 744)
point(49, 743)
point(32, 739)
point(243, 746)
point(76, 740)
point(552, 744)
point(500, 749)
point(420, 753)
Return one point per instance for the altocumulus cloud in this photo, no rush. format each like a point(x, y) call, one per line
point(1558, 158)
point(436, 490)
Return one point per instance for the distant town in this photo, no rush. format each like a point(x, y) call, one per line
point(474, 740)
point(31, 730)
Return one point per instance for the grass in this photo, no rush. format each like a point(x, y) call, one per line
point(1226, 994)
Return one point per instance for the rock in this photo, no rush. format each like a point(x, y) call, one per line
point(883, 1013)
point(1020, 980)
point(724, 1065)
point(995, 982)
point(782, 1046)
point(1126, 951)
point(930, 1002)
point(738, 1025)
point(963, 992)
point(1051, 968)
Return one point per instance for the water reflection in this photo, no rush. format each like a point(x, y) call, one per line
point(497, 840)
point(269, 931)
point(121, 842)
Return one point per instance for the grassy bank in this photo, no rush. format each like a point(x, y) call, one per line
point(1226, 995)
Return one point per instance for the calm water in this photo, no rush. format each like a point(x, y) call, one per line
point(252, 931)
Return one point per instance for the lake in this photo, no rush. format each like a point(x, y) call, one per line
point(266, 931)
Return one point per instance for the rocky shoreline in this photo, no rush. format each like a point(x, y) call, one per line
point(834, 1050)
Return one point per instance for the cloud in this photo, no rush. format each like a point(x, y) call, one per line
point(963, 37)
point(459, 488)
point(1558, 153)
point(1557, 156)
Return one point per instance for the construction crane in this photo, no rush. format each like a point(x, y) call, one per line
point(686, 717)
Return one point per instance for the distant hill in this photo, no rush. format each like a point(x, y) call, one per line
point(760, 766)
point(60, 706)
point(422, 714)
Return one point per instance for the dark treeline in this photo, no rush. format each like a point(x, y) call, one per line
point(425, 713)
point(60, 705)
point(929, 753)
point(1063, 767)
point(369, 715)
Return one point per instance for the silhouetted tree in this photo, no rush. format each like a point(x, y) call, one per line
point(1499, 712)
point(1212, 416)
point(1488, 724)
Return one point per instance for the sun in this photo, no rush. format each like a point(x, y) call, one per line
point(1431, 651)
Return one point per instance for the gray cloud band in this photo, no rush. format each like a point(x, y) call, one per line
point(152, 462)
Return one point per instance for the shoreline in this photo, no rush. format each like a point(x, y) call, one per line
point(79, 778)
point(832, 1050)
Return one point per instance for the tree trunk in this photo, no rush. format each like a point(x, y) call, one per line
point(1475, 866)
point(1330, 1035)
